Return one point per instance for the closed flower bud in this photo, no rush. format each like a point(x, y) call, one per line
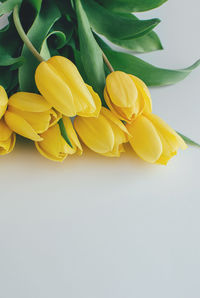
point(54, 146)
point(3, 101)
point(126, 96)
point(104, 135)
point(7, 138)
point(61, 84)
point(29, 115)
point(153, 140)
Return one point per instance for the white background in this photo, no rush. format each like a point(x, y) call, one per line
point(94, 227)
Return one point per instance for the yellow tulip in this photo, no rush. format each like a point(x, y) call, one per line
point(54, 147)
point(104, 135)
point(126, 96)
point(153, 140)
point(7, 138)
point(61, 84)
point(3, 101)
point(29, 115)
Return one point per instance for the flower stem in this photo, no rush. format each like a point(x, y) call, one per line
point(107, 62)
point(23, 35)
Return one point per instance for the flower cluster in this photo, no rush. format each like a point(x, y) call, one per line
point(45, 118)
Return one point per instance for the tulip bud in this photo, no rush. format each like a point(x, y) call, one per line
point(29, 115)
point(3, 101)
point(153, 140)
point(54, 146)
point(61, 84)
point(126, 96)
point(7, 138)
point(104, 135)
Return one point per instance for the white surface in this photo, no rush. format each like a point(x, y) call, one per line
point(110, 228)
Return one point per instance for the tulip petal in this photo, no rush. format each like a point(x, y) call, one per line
point(115, 111)
point(38, 121)
point(121, 89)
point(113, 119)
point(55, 117)
point(143, 89)
point(8, 145)
point(97, 101)
point(126, 114)
point(168, 152)
point(71, 76)
point(29, 102)
point(3, 101)
point(145, 141)
point(54, 89)
point(5, 131)
point(173, 139)
point(72, 135)
point(17, 124)
point(96, 133)
point(53, 146)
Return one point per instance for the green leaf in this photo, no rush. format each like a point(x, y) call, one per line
point(10, 43)
point(48, 15)
point(151, 75)
point(8, 6)
point(36, 4)
point(189, 141)
point(131, 5)
point(146, 43)
point(61, 42)
point(64, 133)
point(91, 54)
point(115, 26)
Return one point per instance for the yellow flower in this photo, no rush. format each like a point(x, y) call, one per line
point(29, 115)
point(7, 138)
point(59, 81)
point(154, 140)
point(3, 101)
point(54, 147)
point(126, 96)
point(104, 135)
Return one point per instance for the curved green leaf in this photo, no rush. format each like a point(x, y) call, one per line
point(146, 43)
point(131, 5)
point(151, 75)
point(91, 54)
point(36, 4)
point(189, 141)
point(115, 26)
point(61, 41)
point(48, 15)
point(8, 6)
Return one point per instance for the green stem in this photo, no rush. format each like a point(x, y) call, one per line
point(23, 35)
point(107, 62)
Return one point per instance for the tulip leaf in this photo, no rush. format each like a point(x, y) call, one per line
point(115, 26)
point(36, 4)
point(146, 43)
point(8, 6)
point(64, 133)
point(91, 54)
point(151, 75)
point(189, 141)
point(9, 55)
point(131, 5)
point(61, 42)
point(48, 15)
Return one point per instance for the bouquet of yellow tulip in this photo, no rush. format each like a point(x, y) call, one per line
point(61, 84)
